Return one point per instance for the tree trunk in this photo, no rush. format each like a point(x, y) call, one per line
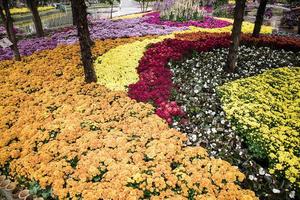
point(111, 10)
point(74, 16)
point(8, 23)
point(299, 25)
point(235, 35)
point(259, 17)
point(33, 6)
point(84, 40)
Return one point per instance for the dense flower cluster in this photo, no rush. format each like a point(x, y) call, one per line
point(247, 27)
point(85, 141)
point(207, 22)
point(266, 108)
point(116, 69)
point(196, 79)
point(131, 16)
point(123, 64)
point(167, 110)
point(272, 41)
point(100, 29)
point(3, 31)
point(105, 29)
point(155, 82)
point(23, 10)
point(28, 46)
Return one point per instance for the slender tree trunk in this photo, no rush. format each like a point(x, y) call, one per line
point(33, 6)
point(74, 16)
point(84, 40)
point(111, 10)
point(235, 35)
point(8, 23)
point(259, 17)
point(299, 25)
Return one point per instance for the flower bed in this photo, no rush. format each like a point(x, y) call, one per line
point(207, 22)
point(67, 139)
point(126, 57)
point(101, 29)
point(272, 41)
point(63, 138)
point(207, 125)
point(156, 86)
point(3, 31)
point(116, 74)
point(15, 11)
point(107, 29)
point(155, 82)
point(265, 110)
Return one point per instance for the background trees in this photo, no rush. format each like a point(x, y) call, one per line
point(33, 6)
point(259, 17)
point(144, 4)
point(8, 23)
point(111, 3)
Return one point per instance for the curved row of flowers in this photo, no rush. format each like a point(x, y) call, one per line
point(108, 29)
point(155, 83)
point(67, 139)
point(121, 62)
point(155, 79)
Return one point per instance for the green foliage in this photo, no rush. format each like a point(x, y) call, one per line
point(110, 2)
point(99, 177)
point(223, 11)
point(35, 189)
point(219, 3)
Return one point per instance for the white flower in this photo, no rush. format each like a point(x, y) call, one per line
point(251, 177)
point(276, 191)
point(262, 171)
point(292, 194)
point(193, 138)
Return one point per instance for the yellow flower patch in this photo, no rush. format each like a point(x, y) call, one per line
point(131, 16)
point(247, 27)
point(26, 10)
point(116, 69)
point(267, 107)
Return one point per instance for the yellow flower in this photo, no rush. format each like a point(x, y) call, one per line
point(26, 10)
point(276, 111)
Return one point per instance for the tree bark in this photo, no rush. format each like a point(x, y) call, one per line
point(84, 40)
point(235, 35)
point(111, 10)
point(259, 17)
point(33, 6)
point(299, 25)
point(8, 23)
point(147, 5)
point(74, 16)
